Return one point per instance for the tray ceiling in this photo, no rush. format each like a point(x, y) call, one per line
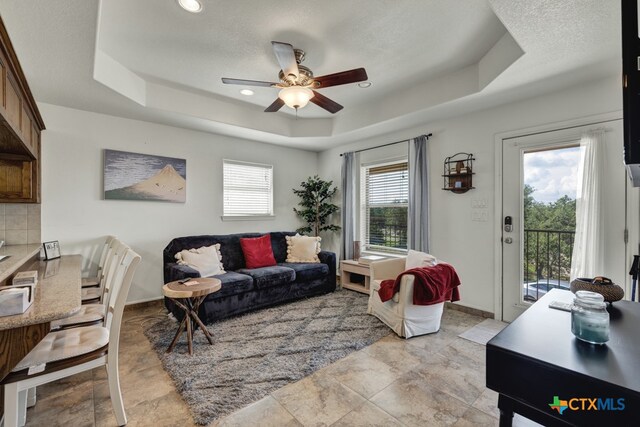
point(151, 60)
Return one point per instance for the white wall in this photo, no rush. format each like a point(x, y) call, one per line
point(74, 213)
point(467, 244)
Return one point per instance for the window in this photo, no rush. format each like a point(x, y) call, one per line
point(248, 189)
point(385, 206)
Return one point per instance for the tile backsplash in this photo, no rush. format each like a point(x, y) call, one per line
point(19, 223)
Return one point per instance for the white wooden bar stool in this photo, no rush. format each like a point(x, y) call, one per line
point(67, 352)
point(94, 281)
point(94, 295)
point(91, 314)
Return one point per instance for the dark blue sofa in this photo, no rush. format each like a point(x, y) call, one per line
point(249, 289)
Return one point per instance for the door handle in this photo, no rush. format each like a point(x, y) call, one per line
point(508, 240)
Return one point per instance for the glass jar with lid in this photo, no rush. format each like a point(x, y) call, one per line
point(590, 318)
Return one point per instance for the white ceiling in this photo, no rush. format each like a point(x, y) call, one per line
point(232, 39)
point(150, 60)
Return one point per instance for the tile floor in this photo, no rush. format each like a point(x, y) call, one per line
point(430, 380)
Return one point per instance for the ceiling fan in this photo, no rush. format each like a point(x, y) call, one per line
point(297, 82)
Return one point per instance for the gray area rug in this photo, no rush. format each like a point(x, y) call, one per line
point(260, 352)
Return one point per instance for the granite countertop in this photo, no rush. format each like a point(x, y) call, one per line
point(58, 292)
point(18, 255)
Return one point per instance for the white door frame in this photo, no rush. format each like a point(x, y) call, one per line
point(594, 120)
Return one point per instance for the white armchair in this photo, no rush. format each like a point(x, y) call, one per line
point(399, 313)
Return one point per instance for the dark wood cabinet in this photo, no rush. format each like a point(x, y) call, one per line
point(20, 129)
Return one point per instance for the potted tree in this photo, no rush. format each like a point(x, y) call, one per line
point(315, 205)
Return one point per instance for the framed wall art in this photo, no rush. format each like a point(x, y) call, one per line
point(135, 176)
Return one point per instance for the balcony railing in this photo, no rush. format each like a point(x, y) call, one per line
point(388, 231)
point(547, 261)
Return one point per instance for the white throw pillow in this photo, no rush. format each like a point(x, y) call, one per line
point(303, 248)
point(207, 260)
point(417, 259)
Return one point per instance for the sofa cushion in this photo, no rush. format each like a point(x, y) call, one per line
point(231, 251)
point(232, 284)
point(257, 251)
point(266, 277)
point(303, 248)
point(417, 259)
point(229, 247)
point(178, 272)
point(279, 244)
point(206, 259)
point(307, 271)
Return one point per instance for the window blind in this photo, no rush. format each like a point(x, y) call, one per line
point(386, 206)
point(248, 189)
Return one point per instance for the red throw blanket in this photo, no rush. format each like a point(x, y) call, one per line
point(432, 285)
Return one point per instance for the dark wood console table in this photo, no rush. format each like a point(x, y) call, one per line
point(537, 358)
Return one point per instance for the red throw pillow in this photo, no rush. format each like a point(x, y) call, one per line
point(257, 251)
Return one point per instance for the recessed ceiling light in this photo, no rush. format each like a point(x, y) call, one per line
point(193, 6)
point(364, 84)
point(247, 92)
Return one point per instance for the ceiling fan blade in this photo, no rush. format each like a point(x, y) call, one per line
point(286, 58)
point(277, 104)
point(326, 103)
point(228, 81)
point(343, 78)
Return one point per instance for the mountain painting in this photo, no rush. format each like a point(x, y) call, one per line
point(134, 176)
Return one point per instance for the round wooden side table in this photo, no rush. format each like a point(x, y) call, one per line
point(188, 298)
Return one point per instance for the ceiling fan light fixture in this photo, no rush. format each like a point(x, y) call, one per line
point(296, 96)
point(246, 92)
point(193, 6)
point(364, 85)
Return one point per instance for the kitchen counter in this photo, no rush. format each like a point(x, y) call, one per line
point(58, 293)
point(18, 255)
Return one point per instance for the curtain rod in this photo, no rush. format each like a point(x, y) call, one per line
point(384, 145)
point(564, 128)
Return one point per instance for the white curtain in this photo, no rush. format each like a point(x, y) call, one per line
point(348, 204)
point(587, 257)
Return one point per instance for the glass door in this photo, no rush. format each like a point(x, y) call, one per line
point(540, 184)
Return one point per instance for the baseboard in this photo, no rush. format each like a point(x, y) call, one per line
point(469, 310)
point(134, 305)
